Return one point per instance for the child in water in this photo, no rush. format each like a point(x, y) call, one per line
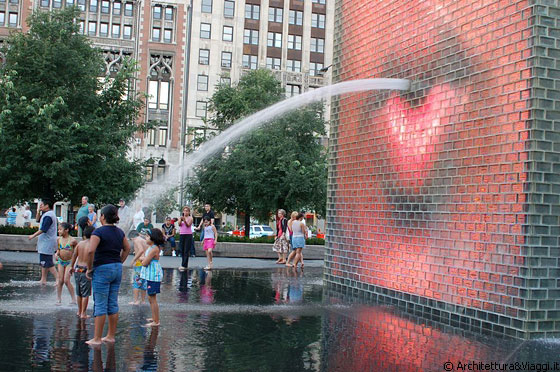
point(210, 240)
point(83, 284)
point(153, 273)
point(138, 284)
point(63, 255)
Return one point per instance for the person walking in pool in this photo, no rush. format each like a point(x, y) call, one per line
point(298, 239)
point(210, 240)
point(83, 284)
point(64, 253)
point(153, 273)
point(108, 249)
point(46, 244)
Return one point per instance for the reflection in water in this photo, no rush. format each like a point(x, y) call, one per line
point(238, 321)
point(42, 331)
point(110, 362)
point(150, 355)
point(80, 350)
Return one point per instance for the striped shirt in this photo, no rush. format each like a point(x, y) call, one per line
point(153, 272)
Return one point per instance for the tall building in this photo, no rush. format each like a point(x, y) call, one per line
point(185, 48)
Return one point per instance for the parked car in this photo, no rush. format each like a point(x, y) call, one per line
point(256, 231)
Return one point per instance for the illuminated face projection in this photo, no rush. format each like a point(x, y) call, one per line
point(429, 184)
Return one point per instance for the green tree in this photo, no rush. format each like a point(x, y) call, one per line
point(281, 165)
point(64, 132)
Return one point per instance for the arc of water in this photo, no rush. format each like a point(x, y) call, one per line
point(264, 116)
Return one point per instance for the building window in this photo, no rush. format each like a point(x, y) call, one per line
point(202, 83)
point(250, 61)
point(319, 2)
point(317, 45)
point(252, 11)
point(292, 90)
point(169, 13)
point(201, 109)
point(206, 6)
point(294, 42)
point(105, 7)
point(158, 92)
point(44, 4)
point(128, 9)
point(296, 17)
point(57, 4)
point(103, 29)
point(227, 34)
point(314, 68)
point(92, 28)
point(127, 32)
point(157, 12)
point(116, 31)
point(162, 141)
point(225, 80)
point(2, 18)
point(151, 139)
point(93, 6)
point(226, 59)
point(251, 37)
point(82, 5)
point(317, 20)
point(156, 33)
point(117, 8)
point(205, 29)
point(273, 63)
point(274, 40)
point(275, 15)
point(82, 26)
point(229, 8)
point(293, 65)
point(69, 3)
point(204, 57)
point(14, 1)
point(167, 35)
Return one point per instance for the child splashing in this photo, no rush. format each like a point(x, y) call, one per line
point(64, 253)
point(153, 273)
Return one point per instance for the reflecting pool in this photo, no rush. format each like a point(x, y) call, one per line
point(240, 320)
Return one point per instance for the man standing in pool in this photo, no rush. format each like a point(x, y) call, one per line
point(46, 244)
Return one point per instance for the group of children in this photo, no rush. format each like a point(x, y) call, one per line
point(72, 259)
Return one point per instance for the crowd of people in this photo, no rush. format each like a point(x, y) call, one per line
point(96, 261)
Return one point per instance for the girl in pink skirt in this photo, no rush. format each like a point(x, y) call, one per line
point(209, 242)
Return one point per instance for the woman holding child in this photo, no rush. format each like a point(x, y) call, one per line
point(108, 249)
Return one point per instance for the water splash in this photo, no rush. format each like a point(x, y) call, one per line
point(235, 132)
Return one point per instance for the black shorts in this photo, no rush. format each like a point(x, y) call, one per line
point(46, 260)
point(83, 285)
point(153, 287)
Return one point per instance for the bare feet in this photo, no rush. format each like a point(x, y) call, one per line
point(43, 282)
point(84, 316)
point(289, 264)
point(73, 303)
point(94, 342)
point(108, 339)
point(58, 303)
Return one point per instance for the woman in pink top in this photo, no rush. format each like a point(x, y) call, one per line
point(186, 242)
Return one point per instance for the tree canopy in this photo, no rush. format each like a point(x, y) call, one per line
point(65, 126)
point(282, 165)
